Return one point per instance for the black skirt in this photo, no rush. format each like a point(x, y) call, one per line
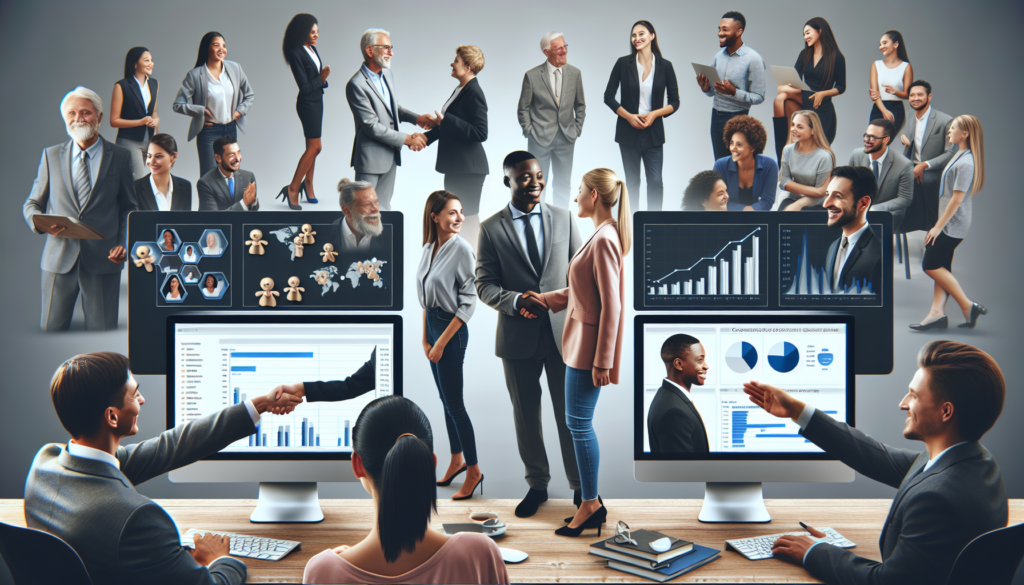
point(939, 254)
point(312, 115)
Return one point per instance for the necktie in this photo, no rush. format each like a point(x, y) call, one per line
point(840, 258)
point(83, 186)
point(231, 186)
point(874, 165)
point(558, 88)
point(531, 245)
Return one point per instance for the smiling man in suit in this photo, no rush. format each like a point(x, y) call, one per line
point(527, 246)
point(551, 112)
point(227, 187)
point(926, 141)
point(948, 494)
point(894, 174)
point(673, 423)
point(90, 180)
point(857, 255)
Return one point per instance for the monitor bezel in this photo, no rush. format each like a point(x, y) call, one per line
point(248, 317)
point(731, 317)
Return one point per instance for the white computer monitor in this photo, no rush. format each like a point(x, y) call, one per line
point(217, 359)
point(810, 355)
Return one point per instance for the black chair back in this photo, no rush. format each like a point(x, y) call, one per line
point(40, 558)
point(991, 558)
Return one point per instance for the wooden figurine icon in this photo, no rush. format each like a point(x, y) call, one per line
point(256, 244)
point(307, 234)
point(370, 269)
point(298, 246)
point(294, 290)
point(329, 254)
point(144, 258)
point(268, 293)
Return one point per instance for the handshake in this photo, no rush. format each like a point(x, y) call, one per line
point(281, 400)
point(531, 305)
point(418, 141)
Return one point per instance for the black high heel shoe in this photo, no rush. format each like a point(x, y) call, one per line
point(448, 481)
point(940, 324)
point(479, 483)
point(595, 521)
point(976, 311)
point(302, 191)
point(569, 519)
point(283, 195)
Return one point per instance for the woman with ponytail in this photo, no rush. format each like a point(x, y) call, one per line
point(592, 339)
point(393, 457)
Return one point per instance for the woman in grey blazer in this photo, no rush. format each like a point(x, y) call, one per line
point(217, 95)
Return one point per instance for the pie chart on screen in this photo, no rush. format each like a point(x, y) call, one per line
point(741, 357)
point(783, 357)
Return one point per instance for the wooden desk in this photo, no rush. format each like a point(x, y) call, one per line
point(552, 558)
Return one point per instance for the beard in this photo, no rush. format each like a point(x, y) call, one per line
point(82, 132)
point(365, 228)
point(382, 62)
point(845, 217)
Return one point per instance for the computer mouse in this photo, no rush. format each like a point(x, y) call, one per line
point(512, 556)
point(661, 545)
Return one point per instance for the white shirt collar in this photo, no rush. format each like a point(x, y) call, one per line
point(516, 214)
point(880, 158)
point(551, 68)
point(931, 462)
point(686, 392)
point(924, 116)
point(350, 236)
point(92, 150)
point(84, 452)
point(856, 237)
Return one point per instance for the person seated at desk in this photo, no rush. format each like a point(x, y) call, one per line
point(706, 192)
point(750, 177)
point(84, 492)
point(893, 171)
point(673, 423)
point(948, 494)
point(393, 457)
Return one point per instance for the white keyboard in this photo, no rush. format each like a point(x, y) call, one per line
point(760, 547)
point(251, 547)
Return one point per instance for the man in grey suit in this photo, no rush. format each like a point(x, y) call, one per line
point(551, 112)
point(527, 247)
point(894, 175)
point(227, 187)
point(926, 140)
point(377, 148)
point(90, 180)
point(84, 492)
point(948, 494)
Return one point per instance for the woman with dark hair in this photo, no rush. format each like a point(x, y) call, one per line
point(446, 286)
point(706, 192)
point(642, 78)
point(750, 177)
point(216, 95)
point(133, 107)
point(823, 68)
point(299, 48)
point(393, 457)
point(160, 190)
point(174, 293)
point(890, 79)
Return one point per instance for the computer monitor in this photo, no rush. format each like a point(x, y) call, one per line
point(809, 355)
point(215, 360)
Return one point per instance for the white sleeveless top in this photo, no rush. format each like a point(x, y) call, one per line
point(892, 77)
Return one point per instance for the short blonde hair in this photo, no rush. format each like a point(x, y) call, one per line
point(472, 56)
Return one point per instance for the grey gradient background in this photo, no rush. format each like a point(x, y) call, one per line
point(50, 47)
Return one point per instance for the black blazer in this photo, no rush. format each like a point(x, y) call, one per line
point(307, 76)
point(359, 383)
point(932, 518)
point(674, 425)
point(462, 132)
point(132, 108)
point(625, 75)
point(864, 261)
point(181, 199)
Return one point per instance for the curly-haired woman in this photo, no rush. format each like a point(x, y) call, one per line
point(750, 177)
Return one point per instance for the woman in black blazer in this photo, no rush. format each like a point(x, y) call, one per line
point(160, 190)
point(640, 131)
point(310, 74)
point(133, 107)
point(462, 128)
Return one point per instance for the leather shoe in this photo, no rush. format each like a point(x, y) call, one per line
point(976, 311)
point(941, 323)
point(579, 502)
point(532, 501)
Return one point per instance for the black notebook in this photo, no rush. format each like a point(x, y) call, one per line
point(643, 549)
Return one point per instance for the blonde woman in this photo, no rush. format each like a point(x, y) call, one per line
point(592, 339)
point(806, 163)
point(963, 177)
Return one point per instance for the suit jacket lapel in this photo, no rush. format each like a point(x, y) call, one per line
point(108, 153)
point(373, 87)
point(830, 268)
point(391, 93)
point(906, 485)
point(221, 184)
point(545, 223)
point(670, 387)
point(855, 253)
point(513, 235)
point(634, 74)
point(137, 92)
point(65, 164)
point(542, 72)
point(884, 168)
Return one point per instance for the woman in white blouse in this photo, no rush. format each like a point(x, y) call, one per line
point(174, 293)
point(133, 107)
point(889, 79)
point(160, 190)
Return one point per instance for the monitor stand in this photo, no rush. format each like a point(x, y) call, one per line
point(288, 502)
point(733, 502)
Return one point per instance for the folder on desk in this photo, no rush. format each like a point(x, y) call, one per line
point(698, 557)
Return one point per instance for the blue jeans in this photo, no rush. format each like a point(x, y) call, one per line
point(718, 120)
point(580, 400)
point(204, 144)
point(448, 377)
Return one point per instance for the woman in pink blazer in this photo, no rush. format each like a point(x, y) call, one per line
point(592, 339)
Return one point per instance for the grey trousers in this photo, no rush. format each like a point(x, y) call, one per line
point(138, 152)
point(523, 380)
point(383, 184)
point(101, 294)
point(556, 156)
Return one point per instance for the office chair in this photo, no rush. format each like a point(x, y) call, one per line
point(995, 554)
point(37, 557)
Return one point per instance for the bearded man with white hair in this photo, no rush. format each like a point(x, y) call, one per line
point(89, 180)
point(360, 226)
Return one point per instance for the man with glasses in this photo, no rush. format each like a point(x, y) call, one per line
point(894, 173)
point(551, 112)
point(377, 148)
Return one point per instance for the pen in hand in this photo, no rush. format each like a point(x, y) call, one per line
point(813, 531)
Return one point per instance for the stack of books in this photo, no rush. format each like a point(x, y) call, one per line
point(682, 556)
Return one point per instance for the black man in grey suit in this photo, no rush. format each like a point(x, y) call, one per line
point(227, 186)
point(673, 423)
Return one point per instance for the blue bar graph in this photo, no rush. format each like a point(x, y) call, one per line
point(263, 441)
point(287, 438)
point(780, 436)
point(243, 368)
point(271, 354)
point(339, 441)
point(348, 429)
point(305, 424)
point(740, 426)
point(280, 436)
point(318, 440)
point(235, 401)
point(312, 440)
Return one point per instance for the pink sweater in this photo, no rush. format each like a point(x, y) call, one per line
point(465, 558)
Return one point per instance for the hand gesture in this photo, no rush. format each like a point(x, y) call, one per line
point(601, 377)
point(646, 119)
point(326, 71)
point(888, 115)
point(703, 82)
point(436, 352)
point(438, 118)
point(775, 401)
point(236, 115)
point(118, 254)
point(919, 172)
point(148, 121)
point(889, 89)
point(635, 121)
point(725, 87)
point(904, 140)
point(416, 141)
point(426, 121)
point(531, 305)
point(816, 98)
point(875, 95)
point(249, 196)
point(207, 117)
point(210, 547)
point(285, 394)
point(932, 234)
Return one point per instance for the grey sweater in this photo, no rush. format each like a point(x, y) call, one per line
point(806, 169)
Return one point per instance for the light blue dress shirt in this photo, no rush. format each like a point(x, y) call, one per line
point(95, 159)
point(378, 82)
point(745, 70)
point(538, 231)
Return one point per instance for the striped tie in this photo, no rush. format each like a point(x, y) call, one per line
point(83, 186)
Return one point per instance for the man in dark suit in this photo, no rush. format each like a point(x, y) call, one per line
point(90, 180)
point(527, 247)
point(894, 174)
point(948, 494)
point(673, 423)
point(359, 227)
point(856, 257)
point(926, 138)
point(227, 187)
point(84, 492)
